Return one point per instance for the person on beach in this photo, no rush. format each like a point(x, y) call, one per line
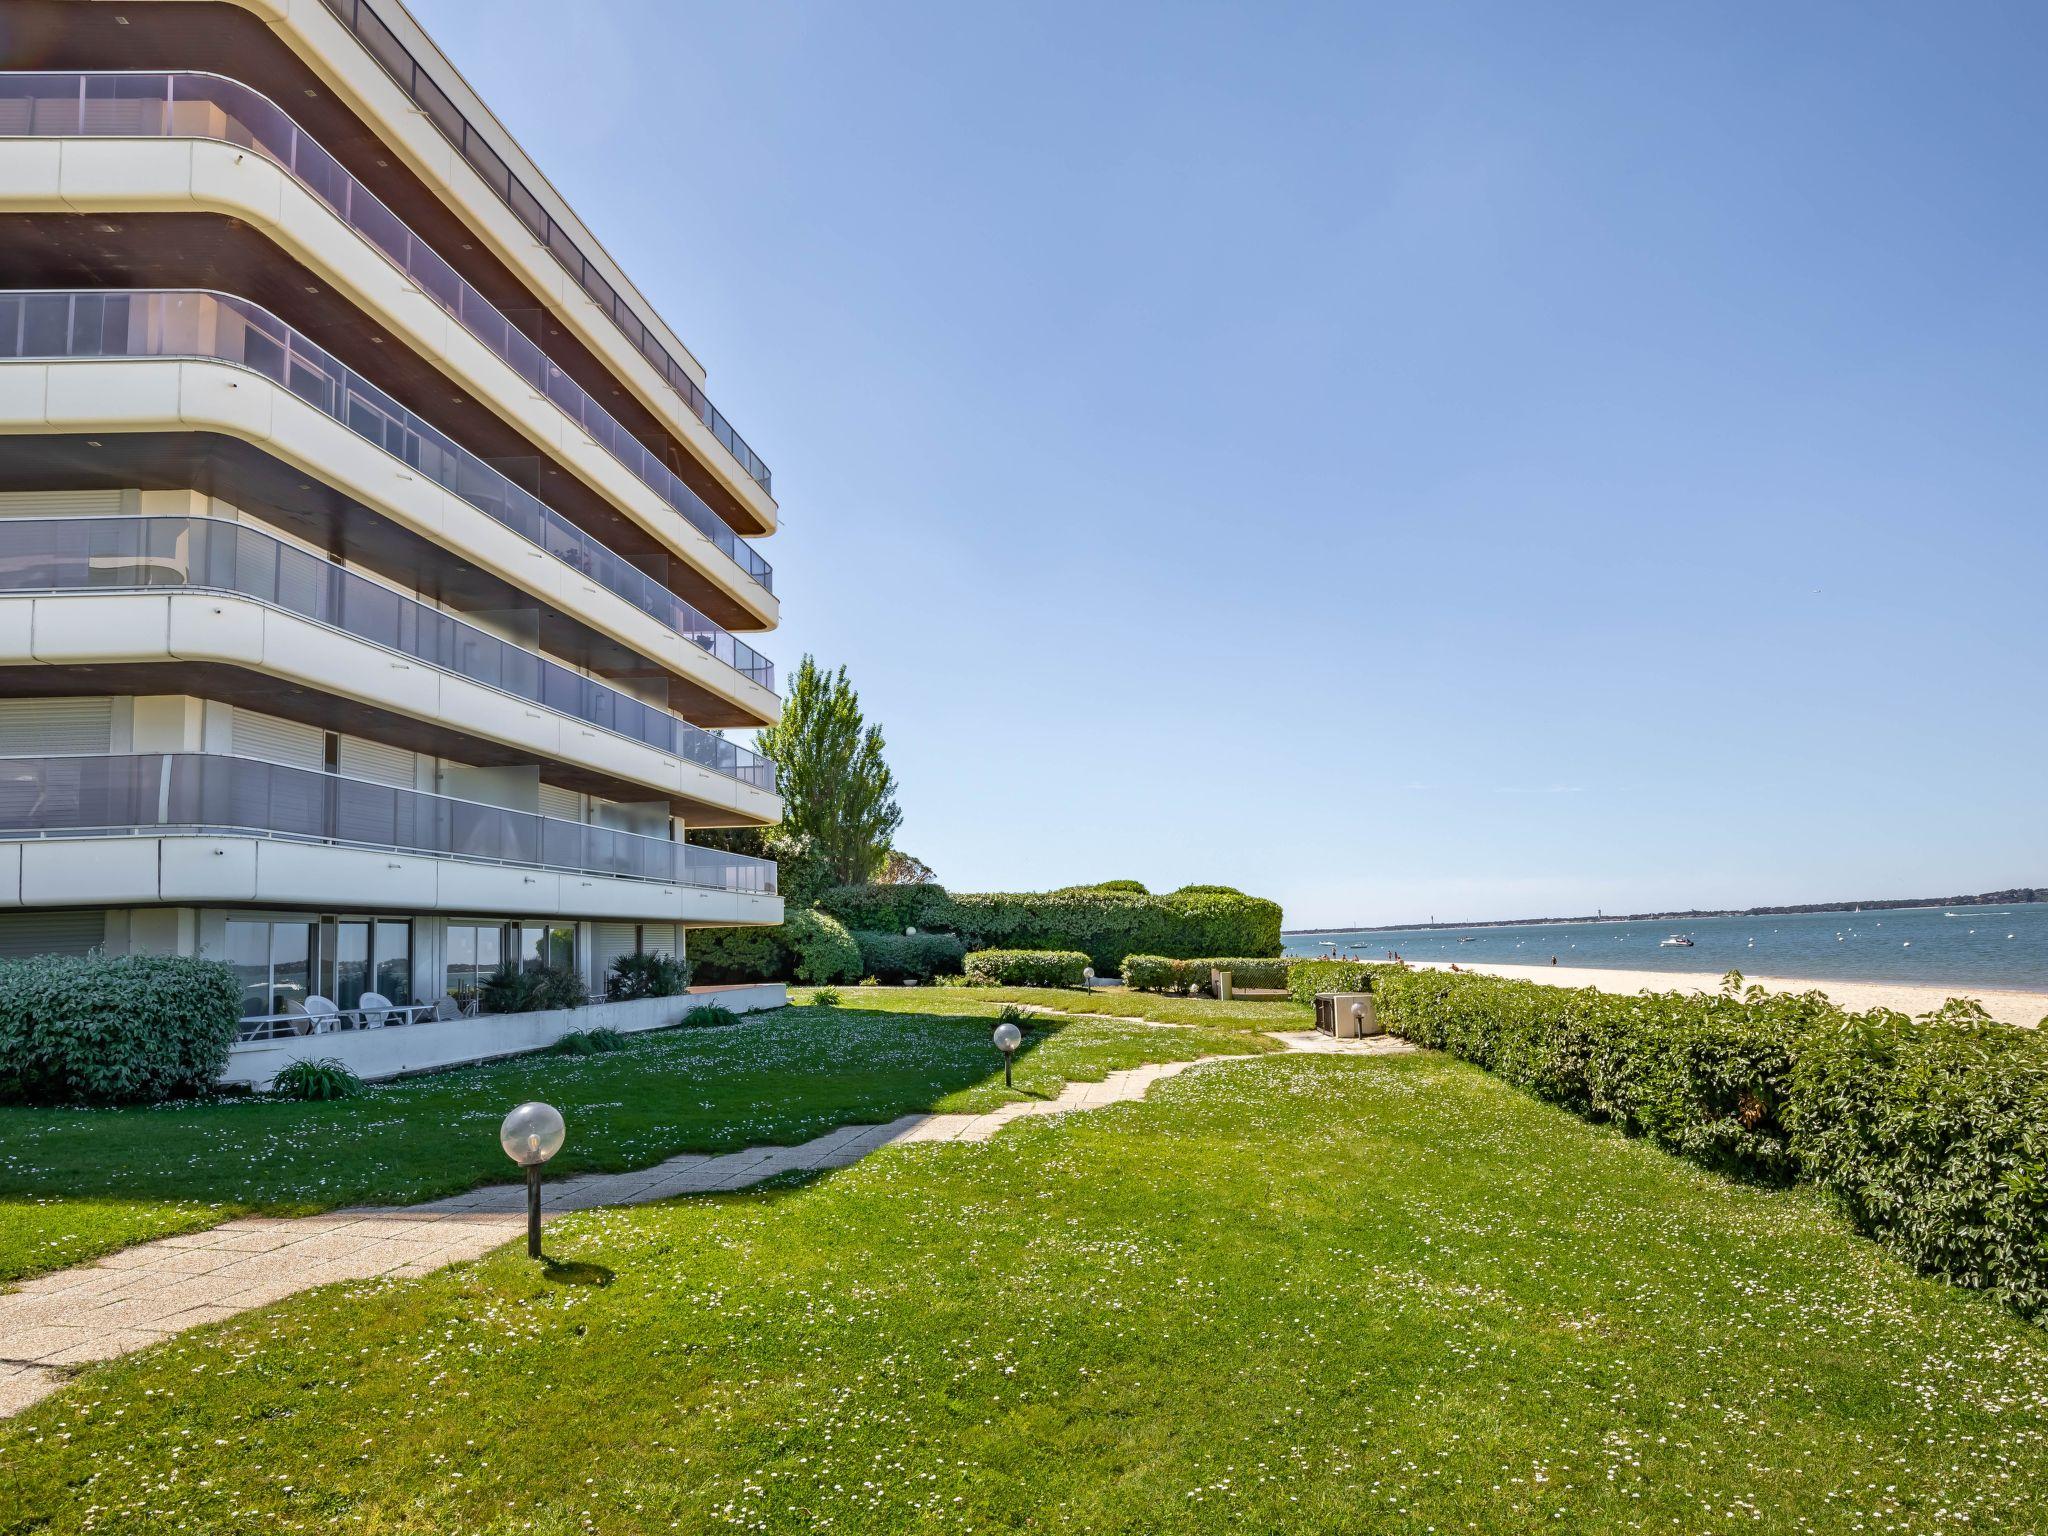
point(1553, 959)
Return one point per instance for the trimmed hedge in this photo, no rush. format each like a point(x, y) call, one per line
point(1026, 968)
point(1105, 925)
point(1933, 1132)
point(909, 957)
point(807, 946)
point(120, 1030)
point(1157, 973)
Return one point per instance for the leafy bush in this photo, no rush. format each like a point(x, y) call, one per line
point(807, 946)
point(710, 1016)
point(316, 1081)
point(1933, 1132)
point(1104, 925)
point(1305, 978)
point(126, 1029)
point(825, 997)
point(1208, 890)
point(1026, 968)
point(655, 974)
point(588, 1042)
point(1106, 887)
point(1156, 973)
point(1010, 1013)
point(513, 988)
point(909, 957)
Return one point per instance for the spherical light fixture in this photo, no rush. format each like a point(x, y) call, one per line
point(1008, 1038)
point(531, 1135)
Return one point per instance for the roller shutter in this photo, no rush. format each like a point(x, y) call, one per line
point(565, 803)
point(612, 940)
point(42, 727)
point(279, 741)
point(24, 935)
point(60, 503)
point(660, 939)
point(373, 760)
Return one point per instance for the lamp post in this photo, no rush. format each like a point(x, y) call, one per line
point(531, 1135)
point(1008, 1038)
point(1087, 978)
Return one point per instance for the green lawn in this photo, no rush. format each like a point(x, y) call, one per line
point(1256, 1015)
point(112, 1177)
point(1307, 1294)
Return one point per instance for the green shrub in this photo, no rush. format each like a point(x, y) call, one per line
point(1104, 925)
point(1010, 1013)
point(316, 1081)
point(825, 997)
point(114, 1030)
point(1105, 887)
point(1208, 890)
point(1157, 973)
point(710, 1016)
point(588, 1042)
point(1932, 1132)
point(807, 946)
point(909, 956)
point(514, 988)
point(1305, 978)
point(654, 974)
point(1026, 968)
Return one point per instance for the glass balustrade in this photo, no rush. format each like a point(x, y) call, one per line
point(103, 323)
point(398, 62)
point(192, 105)
point(207, 793)
point(76, 554)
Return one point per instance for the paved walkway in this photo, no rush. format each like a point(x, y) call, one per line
point(142, 1295)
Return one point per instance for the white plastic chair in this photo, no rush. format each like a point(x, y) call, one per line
point(325, 1016)
point(374, 1010)
point(446, 1011)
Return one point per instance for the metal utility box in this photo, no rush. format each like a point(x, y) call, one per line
point(1347, 1015)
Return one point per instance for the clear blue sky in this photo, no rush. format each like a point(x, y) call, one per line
point(1457, 459)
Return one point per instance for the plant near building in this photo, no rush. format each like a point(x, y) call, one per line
point(513, 988)
point(710, 1016)
point(836, 787)
point(316, 1080)
point(114, 1030)
point(652, 974)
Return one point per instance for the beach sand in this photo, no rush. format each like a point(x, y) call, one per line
point(1906, 997)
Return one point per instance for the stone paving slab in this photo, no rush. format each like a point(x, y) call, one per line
point(139, 1296)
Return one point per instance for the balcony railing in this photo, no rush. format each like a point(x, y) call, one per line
point(100, 554)
point(103, 323)
point(191, 105)
point(399, 63)
point(208, 795)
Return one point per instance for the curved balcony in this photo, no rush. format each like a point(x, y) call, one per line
point(383, 45)
point(210, 794)
point(117, 323)
point(110, 554)
point(126, 105)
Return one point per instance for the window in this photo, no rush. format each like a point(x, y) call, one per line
point(475, 951)
point(543, 946)
point(274, 962)
point(372, 957)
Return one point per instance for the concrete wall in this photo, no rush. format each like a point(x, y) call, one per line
point(374, 1053)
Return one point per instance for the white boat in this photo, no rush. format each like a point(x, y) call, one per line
point(1676, 941)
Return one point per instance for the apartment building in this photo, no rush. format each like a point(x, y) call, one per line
point(375, 569)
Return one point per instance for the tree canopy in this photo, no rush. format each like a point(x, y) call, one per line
point(837, 790)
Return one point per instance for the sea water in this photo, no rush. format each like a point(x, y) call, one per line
point(1982, 947)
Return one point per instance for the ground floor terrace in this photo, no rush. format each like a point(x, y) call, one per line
point(386, 992)
point(1280, 1292)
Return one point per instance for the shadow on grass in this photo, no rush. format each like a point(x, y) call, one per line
point(576, 1272)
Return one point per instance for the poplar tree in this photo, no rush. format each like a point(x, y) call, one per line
point(836, 789)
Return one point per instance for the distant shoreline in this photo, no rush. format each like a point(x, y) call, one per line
point(2020, 896)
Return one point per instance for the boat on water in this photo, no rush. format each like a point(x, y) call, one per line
point(1676, 941)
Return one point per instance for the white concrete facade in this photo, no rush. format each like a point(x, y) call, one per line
point(191, 763)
